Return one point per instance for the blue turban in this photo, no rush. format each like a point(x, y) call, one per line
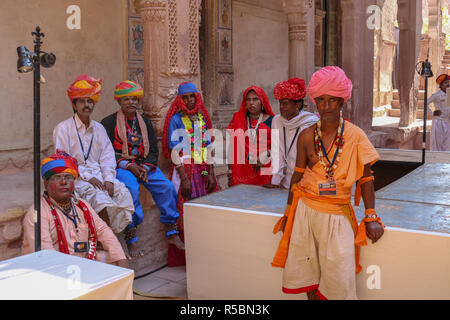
point(186, 87)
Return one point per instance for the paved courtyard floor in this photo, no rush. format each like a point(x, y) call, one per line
point(167, 283)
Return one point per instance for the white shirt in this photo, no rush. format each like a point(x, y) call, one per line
point(439, 99)
point(101, 162)
point(288, 154)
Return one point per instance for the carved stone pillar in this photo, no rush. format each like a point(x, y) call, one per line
point(358, 60)
point(434, 32)
point(301, 20)
point(410, 25)
point(171, 53)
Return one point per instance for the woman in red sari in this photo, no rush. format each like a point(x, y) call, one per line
point(251, 148)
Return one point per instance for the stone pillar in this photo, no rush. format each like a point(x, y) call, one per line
point(358, 60)
point(387, 51)
point(434, 32)
point(410, 25)
point(171, 53)
point(301, 20)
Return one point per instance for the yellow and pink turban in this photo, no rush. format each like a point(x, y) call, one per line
point(331, 81)
point(85, 87)
point(293, 89)
point(60, 162)
point(128, 89)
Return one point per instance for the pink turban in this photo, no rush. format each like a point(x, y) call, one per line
point(293, 89)
point(332, 81)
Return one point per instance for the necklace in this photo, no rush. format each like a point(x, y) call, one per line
point(193, 123)
point(329, 166)
point(253, 132)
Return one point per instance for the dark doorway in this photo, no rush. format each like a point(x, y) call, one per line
point(386, 172)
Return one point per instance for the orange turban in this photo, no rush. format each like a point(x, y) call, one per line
point(332, 81)
point(85, 87)
point(293, 89)
point(442, 78)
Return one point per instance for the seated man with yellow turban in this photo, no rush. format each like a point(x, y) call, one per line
point(69, 224)
point(87, 141)
point(136, 148)
point(319, 250)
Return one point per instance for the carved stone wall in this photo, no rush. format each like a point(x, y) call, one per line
point(217, 60)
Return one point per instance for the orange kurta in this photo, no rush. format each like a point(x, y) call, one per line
point(357, 152)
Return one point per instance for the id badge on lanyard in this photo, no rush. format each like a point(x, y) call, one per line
point(328, 189)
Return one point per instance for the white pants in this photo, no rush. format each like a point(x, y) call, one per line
point(321, 255)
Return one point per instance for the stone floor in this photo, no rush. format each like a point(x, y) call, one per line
point(167, 283)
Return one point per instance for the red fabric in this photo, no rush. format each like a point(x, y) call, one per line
point(244, 173)
point(321, 296)
point(301, 290)
point(177, 106)
point(442, 78)
point(293, 89)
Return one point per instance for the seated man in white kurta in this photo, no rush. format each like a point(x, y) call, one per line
point(87, 141)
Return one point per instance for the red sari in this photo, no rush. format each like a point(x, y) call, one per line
point(243, 169)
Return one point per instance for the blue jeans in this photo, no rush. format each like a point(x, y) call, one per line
point(163, 193)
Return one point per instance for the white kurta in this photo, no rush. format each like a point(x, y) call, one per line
point(288, 154)
point(100, 164)
point(440, 131)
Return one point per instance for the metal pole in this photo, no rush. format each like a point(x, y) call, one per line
point(425, 110)
point(37, 137)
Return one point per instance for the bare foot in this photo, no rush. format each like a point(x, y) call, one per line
point(176, 241)
point(133, 252)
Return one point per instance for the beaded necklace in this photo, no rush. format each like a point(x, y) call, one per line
point(199, 157)
point(319, 147)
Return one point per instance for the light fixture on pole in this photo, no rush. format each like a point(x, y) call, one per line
point(27, 62)
point(425, 72)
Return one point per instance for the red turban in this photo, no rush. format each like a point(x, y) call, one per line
point(85, 87)
point(332, 81)
point(293, 89)
point(442, 78)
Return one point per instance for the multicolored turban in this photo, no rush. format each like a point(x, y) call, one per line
point(442, 78)
point(331, 81)
point(128, 89)
point(60, 162)
point(85, 87)
point(293, 89)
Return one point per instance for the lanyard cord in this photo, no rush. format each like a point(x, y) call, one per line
point(81, 144)
point(292, 142)
point(337, 149)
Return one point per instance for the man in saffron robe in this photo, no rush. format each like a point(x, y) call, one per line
point(68, 224)
point(136, 150)
point(185, 142)
point(319, 250)
point(251, 140)
point(291, 121)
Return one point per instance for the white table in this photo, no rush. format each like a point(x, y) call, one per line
point(51, 275)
